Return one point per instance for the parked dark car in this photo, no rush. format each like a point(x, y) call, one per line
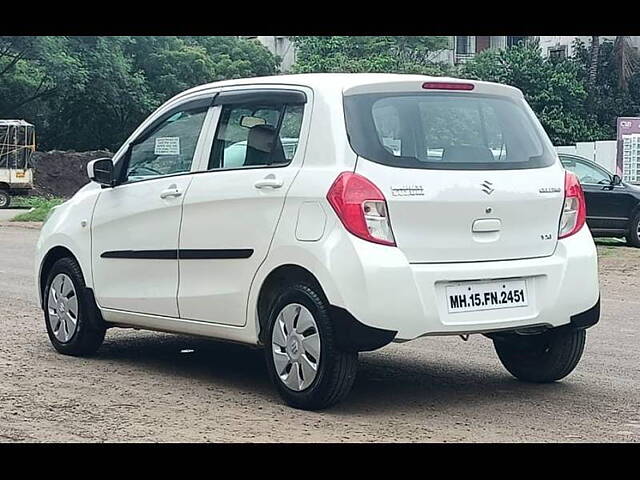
point(613, 206)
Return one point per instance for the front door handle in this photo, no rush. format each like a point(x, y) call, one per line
point(171, 192)
point(270, 181)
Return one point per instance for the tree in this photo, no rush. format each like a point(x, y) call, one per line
point(626, 61)
point(91, 92)
point(32, 68)
point(369, 54)
point(611, 96)
point(555, 89)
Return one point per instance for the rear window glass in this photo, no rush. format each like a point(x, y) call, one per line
point(446, 131)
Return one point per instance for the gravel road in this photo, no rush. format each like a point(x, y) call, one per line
point(145, 386)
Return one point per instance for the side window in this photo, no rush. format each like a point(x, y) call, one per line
point(588, 174)
point(254, 135)
point(168, 149)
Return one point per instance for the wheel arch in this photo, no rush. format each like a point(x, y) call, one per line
point(352, 335)
point(280, 276)
point(4, 186)
point(52, 256)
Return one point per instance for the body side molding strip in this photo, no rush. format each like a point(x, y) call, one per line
point(186, 254)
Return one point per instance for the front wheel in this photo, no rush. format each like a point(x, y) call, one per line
point(303, 360)
point(542, 358)
point(71, 315)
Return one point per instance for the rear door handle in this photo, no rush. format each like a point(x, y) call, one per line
point(270, 181)
point(172, 191)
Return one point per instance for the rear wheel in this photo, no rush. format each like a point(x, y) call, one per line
point(71, 315)
point(5, 199)
point(542, 358)
point(303, 361)
point(633, 236)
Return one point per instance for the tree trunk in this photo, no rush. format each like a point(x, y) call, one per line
point(593, 65)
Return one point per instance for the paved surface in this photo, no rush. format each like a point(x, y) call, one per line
point(8, 213)
point(140, 387)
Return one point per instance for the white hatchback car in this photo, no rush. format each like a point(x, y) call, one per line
point(403, 206)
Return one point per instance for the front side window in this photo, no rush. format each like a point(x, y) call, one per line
point(587, 174)
point(168, 148)
point(256, 135)
point(446, 131)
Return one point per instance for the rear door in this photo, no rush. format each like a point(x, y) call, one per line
point(232, 208)
point(469, 175)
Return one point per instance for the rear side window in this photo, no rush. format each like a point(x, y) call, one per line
point(256, 135)
point(446, 131)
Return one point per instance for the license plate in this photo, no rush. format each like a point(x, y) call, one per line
point(469, 297)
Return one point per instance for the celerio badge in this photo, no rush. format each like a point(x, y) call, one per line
point(407, 191)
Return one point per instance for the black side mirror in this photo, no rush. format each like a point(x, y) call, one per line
point(101, 171)
point(616, 180)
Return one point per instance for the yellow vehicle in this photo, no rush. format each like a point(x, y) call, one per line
point(17, 144)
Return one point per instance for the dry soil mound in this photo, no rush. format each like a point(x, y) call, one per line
point(61, 174)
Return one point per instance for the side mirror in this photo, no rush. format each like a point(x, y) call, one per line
point(101, 171)
point(616, 180)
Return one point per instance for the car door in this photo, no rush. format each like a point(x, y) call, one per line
point(607, 205)
point(135, 225)
point(231, 210)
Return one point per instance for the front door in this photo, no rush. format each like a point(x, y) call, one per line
point(608, 206)
point(232, 210)
point(136, 224)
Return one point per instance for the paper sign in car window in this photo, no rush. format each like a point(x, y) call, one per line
point(167, 146)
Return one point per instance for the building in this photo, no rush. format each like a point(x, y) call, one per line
point(280, 46)
point(460, 49)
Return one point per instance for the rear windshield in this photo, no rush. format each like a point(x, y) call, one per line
point(446, 131)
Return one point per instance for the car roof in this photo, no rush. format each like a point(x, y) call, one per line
point(353, 83)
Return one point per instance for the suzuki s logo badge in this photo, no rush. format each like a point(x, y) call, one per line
point(487, 187)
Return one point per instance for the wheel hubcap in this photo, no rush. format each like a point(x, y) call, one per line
point(3, 201)
point(295, 344)
point(63, 308)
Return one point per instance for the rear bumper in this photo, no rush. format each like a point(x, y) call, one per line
point(381, 289)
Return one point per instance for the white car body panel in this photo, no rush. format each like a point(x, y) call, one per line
point(392, 288)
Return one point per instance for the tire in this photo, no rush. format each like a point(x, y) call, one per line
point(633, 235)
point(86, 336)
point(335, 370)
point(5, 199)
point(542, 358)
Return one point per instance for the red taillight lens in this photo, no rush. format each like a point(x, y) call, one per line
point(574, 212)
point(447, 86)
point(361, 207)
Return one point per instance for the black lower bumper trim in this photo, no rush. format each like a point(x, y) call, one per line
point(586, 319)
point(353, 335)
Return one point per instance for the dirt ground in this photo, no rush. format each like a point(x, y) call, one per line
point(61, 174)
point(145, 386)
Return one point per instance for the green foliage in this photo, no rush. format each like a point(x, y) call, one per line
point(41, 207)
point(555, 89)
point(608, 100)
point(85, 93)
point(369, 54)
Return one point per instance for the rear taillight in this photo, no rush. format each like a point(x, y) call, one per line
point(361, 207)
point(574, 212)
